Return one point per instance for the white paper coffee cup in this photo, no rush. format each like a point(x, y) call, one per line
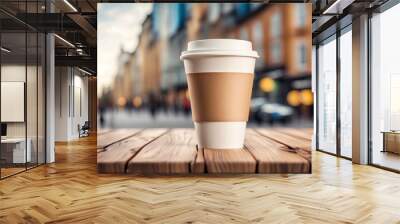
point(220, 56)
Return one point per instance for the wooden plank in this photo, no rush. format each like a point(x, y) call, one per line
point(198, 165)
point(102, 131)
point(115, 157)
point(300, 146)
point(172, 153)
point(298, 133)
point(113, 136)
point(309, 131)
point(285, 139)
point(223, 161)
point(273, 157)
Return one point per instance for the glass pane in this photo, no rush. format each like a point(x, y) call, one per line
point(31, 98)
point(345, 94)
point(41, 98)
point(327, 96)
point(385, 86)
point(13, 87)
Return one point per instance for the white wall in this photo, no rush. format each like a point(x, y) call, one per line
point(12, 73)
point(70, 83)
point(62, 81)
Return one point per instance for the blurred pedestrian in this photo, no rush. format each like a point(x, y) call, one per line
point(186, 105)
point(153, 104)
point(102, 110)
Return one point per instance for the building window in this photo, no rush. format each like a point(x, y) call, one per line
point(258, 41)
point(276, 52)
point(255, 6)
point(243, 33)
point(276, 24)
point(385, 89)
point(227, 8)
point(327, 96)
point(213, 12)
point(346, 94)
point(301, 58)
point(300, 18)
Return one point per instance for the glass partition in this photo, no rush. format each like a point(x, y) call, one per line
point(385, 89)
point(22, 77)
point(41, 96)
point(31, 98)
point(14, 153)
point(346, 92)
point(327, 95)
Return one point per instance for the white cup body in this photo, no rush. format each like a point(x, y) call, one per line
point(220, 135)
point(219, 55)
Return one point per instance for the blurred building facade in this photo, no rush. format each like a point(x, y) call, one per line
point(280, 33)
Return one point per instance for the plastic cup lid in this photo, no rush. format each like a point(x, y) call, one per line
point(219, 47)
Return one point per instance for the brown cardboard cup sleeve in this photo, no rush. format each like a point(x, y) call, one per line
point(219, 96)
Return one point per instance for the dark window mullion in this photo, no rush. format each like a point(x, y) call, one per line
point(37, 91)
point(338, 77)
point(316, 97)
point(369, 96)
point(26, 87)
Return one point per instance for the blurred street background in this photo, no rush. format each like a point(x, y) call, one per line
point(145, 85)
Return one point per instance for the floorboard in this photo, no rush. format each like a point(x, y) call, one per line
point(273, 157)
point(172, 153)
point(296, 133)
point(113, 136)
point(228, 161)
point(114, 158)
point(285, 139)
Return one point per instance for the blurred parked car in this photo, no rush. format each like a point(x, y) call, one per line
point(255, 106)
point(262, 111)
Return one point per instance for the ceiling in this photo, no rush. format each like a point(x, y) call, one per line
point(330, 15)
point(73, 21)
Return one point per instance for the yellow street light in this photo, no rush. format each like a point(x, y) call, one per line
point(137, 101)
point(121, 101)
point(267, 85)
point(307, 98)
point(293, 98)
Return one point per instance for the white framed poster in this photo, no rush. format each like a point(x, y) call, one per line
point(12, 101)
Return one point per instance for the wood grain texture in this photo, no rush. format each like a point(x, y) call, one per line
point(296, 133)
point(285, 139)
point(172, 153)
point(71, 191)
point(299, 145)
point(273, 157)
point(115, 157)
point(229, 161)
point(103, 131)
point(113, 136)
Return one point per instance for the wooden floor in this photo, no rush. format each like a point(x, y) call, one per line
point(386, 159)
point(174, 151)
point(10, 171)
point(71, 191)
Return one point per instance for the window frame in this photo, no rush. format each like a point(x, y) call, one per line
point(333, 37)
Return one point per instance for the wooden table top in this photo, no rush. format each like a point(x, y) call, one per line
point(174, 151)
